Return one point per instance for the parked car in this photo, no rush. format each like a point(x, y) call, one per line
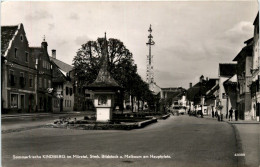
point(177, 110)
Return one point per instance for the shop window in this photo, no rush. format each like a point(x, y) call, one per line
point(14, 100)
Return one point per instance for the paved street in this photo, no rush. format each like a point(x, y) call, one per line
point(189, 141)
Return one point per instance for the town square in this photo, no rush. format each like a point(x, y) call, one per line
point(130, 83)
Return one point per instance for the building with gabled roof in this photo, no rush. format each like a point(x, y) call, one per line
point(18, 71)
point(202, 95)
point(244, 61)
point(63, 99)
point(255, 88)
point(44, 77)
point(174, 95)
point(226, 71)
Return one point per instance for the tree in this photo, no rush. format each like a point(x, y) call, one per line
point(120, 64)
point(87, 61)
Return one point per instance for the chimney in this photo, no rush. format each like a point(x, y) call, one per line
point(207, 78)
point(53, 53)
point(190, 85)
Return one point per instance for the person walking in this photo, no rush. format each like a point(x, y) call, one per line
point(236, 114)
point(219, 115)
point(230, 114)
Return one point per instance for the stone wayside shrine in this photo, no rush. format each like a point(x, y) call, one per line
point(104, 87)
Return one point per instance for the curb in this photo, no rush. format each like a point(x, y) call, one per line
point(165, 116)
point(239, 148)
point(147, 122)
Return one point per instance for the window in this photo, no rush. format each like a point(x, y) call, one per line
point(102, 100)
point(14, 100)
point(11, 78)
point(26, 56)
point(45, 83)
point(15, 52)
point(30, 81)
point(67, 90)
point(21, 37)
point(49, 83)
point(70, 91)
point(40, 82)
point(22, 80)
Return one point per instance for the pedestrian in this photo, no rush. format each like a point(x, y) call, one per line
point(236, 114)
point(230, 114)
point(216, 114)
point(212, 113)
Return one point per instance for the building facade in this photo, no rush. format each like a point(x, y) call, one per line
point(226, 71)
point(63, 94)
point(244, 76)
point(43, 77)
point(18, 71)
point(255, 88)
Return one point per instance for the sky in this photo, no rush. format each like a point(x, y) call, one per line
point(191, 37)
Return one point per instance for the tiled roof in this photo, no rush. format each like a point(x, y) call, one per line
point(210, 94)
point(245, 52)
point(227, 70)
point(199, 89)
point(256, 19)
point(172, 89)
point(104, 79)
point(231, 80)
point(7, 33)
point(249, 40)
point(58, 76)
point(63, 66)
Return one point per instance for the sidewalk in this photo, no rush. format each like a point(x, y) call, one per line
point(20, 122)
point(249, 137)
